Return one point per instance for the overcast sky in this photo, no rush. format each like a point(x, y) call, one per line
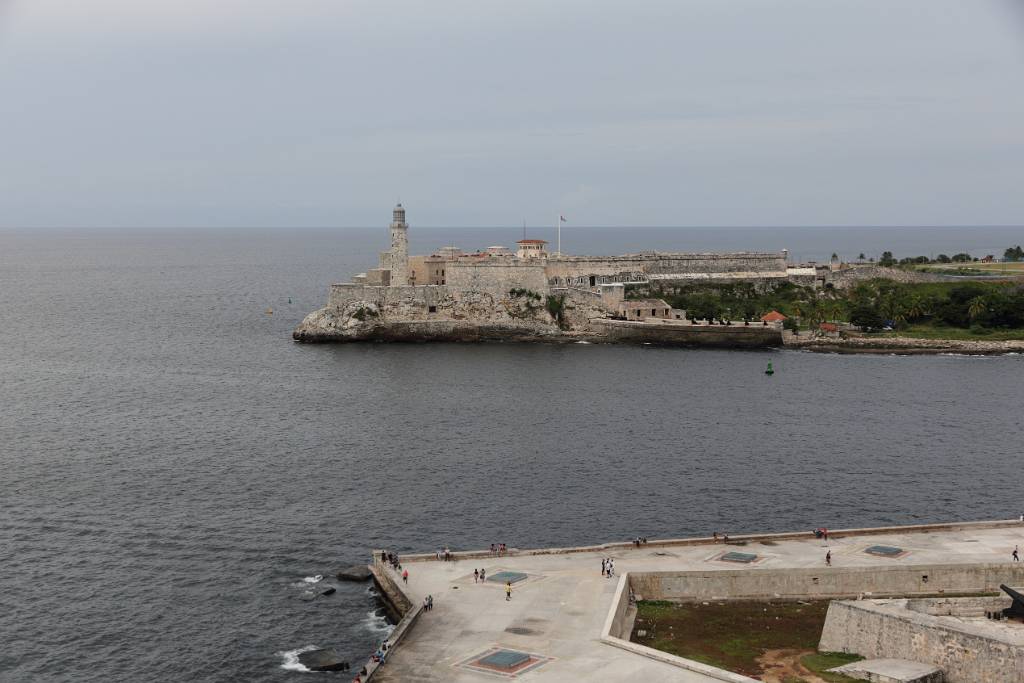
point(159, 113)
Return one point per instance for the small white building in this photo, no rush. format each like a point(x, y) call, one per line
point(532, 249)
point(643, 309)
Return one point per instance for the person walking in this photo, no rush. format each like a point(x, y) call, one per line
point(476, 576)
point(430, 602)
point(1016, 554)
point(508, 591)
point(483, 576)
point(603, 564)
point(828, 559)
point(405, 576)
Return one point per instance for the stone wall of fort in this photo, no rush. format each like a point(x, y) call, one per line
point(967, 652)
point(590, 271)
point(496, 279)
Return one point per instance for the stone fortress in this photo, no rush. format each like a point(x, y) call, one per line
point(534, 294)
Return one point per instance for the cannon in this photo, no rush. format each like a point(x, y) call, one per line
point(1016, 610)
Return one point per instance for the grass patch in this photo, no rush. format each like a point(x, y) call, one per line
point(730, 635)
point(946, 332)
point(821, 662)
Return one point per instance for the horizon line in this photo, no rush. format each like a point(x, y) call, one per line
point(831, 226)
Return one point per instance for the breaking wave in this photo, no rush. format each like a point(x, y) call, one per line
point(291, 659)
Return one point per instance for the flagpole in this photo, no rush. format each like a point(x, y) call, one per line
point(559, 222)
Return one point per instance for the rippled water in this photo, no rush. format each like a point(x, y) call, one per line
point(174, 467)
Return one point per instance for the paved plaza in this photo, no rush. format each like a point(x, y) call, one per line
point(551, 628)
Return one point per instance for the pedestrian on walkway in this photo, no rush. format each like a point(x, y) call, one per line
point(828, 559)
point(1016, 554)
point(508, 591)
point(405, 576)
point(430, 602)
point(476, 576)
point(483, 576)
point(603, 563)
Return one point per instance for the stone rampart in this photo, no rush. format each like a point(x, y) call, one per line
point(596, 270)
point(672, 333)
point(497, 278)
point(966, 651)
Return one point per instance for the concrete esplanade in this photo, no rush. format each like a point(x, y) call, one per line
point(564, 621)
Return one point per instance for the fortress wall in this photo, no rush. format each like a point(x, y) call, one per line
point(825, 581)
point(496, 279)
point(750, 264)
point(671, 334)
point(876, 632)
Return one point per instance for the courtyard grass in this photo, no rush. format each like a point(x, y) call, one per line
point(735, 635)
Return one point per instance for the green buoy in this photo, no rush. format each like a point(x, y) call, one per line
point(769, 371)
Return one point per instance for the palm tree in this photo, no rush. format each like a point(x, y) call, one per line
point(976, 306)
point(835, 310)
point(915, 308)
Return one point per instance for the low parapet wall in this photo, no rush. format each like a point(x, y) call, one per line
point(825, 582)
point(401, 603)
point(739, 538)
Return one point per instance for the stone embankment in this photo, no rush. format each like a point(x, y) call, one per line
point(902, 345)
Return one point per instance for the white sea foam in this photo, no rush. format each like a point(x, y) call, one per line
point(291, 659)
point(314, 579)
point(377, 623)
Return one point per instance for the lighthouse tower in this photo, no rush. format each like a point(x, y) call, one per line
point(399, 247)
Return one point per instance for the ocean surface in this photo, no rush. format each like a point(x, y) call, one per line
point(175, 471)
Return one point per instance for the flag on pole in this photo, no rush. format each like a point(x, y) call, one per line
point(561, 219)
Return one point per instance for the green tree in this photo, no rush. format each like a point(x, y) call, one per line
point(962, 257)
point(1014, 254)
point(942, 258)
point(887, 259)
point(860, 256)
point(866, 318)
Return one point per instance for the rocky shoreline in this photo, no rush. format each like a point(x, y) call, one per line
point(907, 346)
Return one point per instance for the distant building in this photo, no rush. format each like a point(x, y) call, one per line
point(642, 309)
point(773, 317)
point(532, 249)
point(988, 259)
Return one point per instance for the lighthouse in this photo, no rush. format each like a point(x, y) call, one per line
point(399, 247)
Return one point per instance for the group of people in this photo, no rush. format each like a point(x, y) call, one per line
point(479, 575)
point(378, 658)
point(498, 549)
point(639, 541)
point(445, 554)
point(428, 603)
point(717, 537)
point(390, 559)
point(608, 567)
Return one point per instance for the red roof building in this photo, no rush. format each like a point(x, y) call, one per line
point(773, 317)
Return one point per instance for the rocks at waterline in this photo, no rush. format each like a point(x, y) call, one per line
point(324, 659)
point(359, 572)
